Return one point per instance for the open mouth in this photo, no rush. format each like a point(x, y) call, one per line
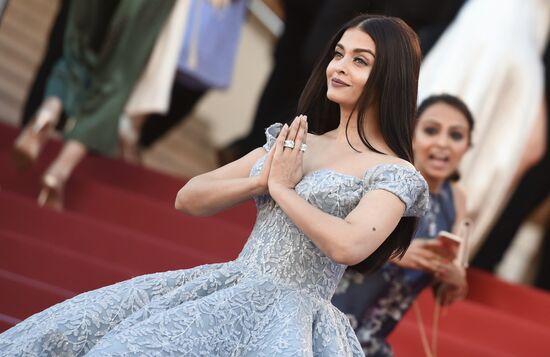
point(439, 160)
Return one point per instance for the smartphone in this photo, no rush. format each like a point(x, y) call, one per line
point(450, 242)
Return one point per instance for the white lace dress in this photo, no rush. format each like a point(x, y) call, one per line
point(273, 300)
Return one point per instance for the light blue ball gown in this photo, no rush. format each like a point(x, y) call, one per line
point(273, 300)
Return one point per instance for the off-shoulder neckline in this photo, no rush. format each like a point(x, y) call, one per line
point(338, 173)
point(368, 170)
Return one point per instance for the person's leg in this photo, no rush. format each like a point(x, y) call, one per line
point(542, 279)
point(96, 108)
point(279, 97)
point(124, 52)
point(59, 171)
point(67, 79)
point(54, 52)
point(141, 131)
point(86, 25)
point(29, 143)
point(182, 102)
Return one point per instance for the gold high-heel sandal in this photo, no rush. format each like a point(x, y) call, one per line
point(128, 141)
point(29, 143)
point(51, 194)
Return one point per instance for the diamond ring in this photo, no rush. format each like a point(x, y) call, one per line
point(289, 144)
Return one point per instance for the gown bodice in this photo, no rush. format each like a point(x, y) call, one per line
point(290, 258)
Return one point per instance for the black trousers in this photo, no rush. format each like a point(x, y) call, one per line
point(54, 51)
point(182, 102)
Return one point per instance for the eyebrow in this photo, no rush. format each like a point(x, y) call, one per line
point(434, 122)
point(358, 50)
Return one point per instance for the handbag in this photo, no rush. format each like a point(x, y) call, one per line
point(210, 43)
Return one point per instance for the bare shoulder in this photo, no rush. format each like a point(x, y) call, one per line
point(402, 162)
point(381, 159)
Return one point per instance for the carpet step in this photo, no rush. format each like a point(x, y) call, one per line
point(133, 179)
point(406, 342)
point(472, 322)
point(22, 296)
point(111, 205)
point(526, 302)
point(55, 266)
point(120, 222)
point(137, 252)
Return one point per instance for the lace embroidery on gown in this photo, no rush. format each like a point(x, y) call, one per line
point(273, 300)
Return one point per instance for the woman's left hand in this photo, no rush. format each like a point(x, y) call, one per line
point(454, 284)
point(286, 165)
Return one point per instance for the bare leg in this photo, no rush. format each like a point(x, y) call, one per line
point(53, 181)
point(129, 130)
point(29, 143)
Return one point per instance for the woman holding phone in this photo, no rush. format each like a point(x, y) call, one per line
point(376, 303)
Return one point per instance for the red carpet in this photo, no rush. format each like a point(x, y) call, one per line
point(120, 222)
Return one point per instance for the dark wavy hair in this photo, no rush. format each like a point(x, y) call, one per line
point(457, 104)
point(391, 87)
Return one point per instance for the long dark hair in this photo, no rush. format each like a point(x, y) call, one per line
point(457, 104)
point(392, 88)
point(452, 101)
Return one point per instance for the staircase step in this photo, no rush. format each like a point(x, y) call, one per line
point(114, 205)
point(22, 296)
point(137, 180)
point(137, 252)
point(470, 321)
point(406, 342)
point(55, 266)
point(6, 322)
point(120, 222)
point(520, 300)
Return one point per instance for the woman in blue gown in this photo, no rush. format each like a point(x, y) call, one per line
point(376, 303)
point(334, 189)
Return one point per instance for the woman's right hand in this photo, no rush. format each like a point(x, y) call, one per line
point(263, 177)
point(287, 166)
point(422, 255)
